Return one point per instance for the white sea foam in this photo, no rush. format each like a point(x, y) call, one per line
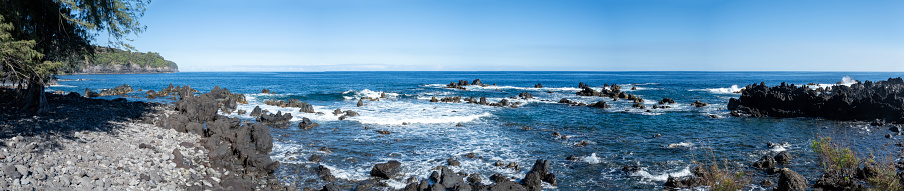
point(780, 147)
point(662, 177)
point(418, 112)
point(734, 89)
point(592, 159)
point(509, 88)
point(368, 93)
point(61, 85)
point(680, 145)
point(847, 81)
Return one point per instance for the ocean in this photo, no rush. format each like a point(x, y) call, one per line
point(617, 137)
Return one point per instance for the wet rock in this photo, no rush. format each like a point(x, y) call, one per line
point(538, 85)
point(507, 186)
point(474, 178)
point(698, 104)
point(307, 124)
point(256, 111)
point(783, 157)
point(325, 174)
point(118, 90)
point(331, 186)
point(687, 182)
point(525, 95)
point(451, 180)
point(765, 163)
point(314, 158)
point(666, 101)
point(499, 163)
point(360, 103)
point(862, 101)
point(89, 93)
point(383, 132)
point(386, 170)
point(587, 91)
point(600, 104)
point(265, 91)
point(277, 120)
point(337, 112)
point(453, 162)
point(789, 180)
point(766, 183)
point(513, 165)
point(433, 99)
point(539, 172)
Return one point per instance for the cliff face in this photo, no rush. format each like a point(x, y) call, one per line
point(106, 60)
point(123, 69)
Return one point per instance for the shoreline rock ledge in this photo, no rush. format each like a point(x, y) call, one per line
point(881, 101)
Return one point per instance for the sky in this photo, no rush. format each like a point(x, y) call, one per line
point(526, 35)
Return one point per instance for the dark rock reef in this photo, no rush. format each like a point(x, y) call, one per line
point(866, 101)
point(233, 145)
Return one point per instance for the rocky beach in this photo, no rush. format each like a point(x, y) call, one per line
point(277, 138)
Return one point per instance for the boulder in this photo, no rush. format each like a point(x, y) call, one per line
point(791, 181)
point(539, 172)
point(600, 104)
point(386, 170)
point(783, 157)
point(89, 93)
point(255, 112)
point(698, 104)
point(538, 85)
point(451, 180)
point(197, 108)
point(666, 101)
point(765, 163)
point(525, 95)
point(507, 186)
point(307, 124)
point(277, 120)
point(325, 174)
point(360, 103)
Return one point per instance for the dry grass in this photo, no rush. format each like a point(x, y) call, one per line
point(835, 157)
point(722, 177)
point(886, 176)
point(839, 158)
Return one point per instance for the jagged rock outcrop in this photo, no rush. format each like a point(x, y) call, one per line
point(866, 101)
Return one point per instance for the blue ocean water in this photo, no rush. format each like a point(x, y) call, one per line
point(619, 136)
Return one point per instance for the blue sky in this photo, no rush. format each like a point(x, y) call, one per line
point(525, 35)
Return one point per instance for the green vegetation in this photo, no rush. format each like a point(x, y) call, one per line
point(836, 158)
point(886, 177)
point(42, 36)
point(839, 159)
point(722, 178)
point(105, 56)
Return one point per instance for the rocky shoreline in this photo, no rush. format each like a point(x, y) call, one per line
point(94, 144)
point(882, 101)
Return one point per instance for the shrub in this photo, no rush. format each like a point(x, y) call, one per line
point(835, 158)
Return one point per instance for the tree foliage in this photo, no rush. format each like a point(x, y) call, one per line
point(106, 56)
point(41, 35)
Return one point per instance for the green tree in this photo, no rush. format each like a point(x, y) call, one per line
point(56, 31)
